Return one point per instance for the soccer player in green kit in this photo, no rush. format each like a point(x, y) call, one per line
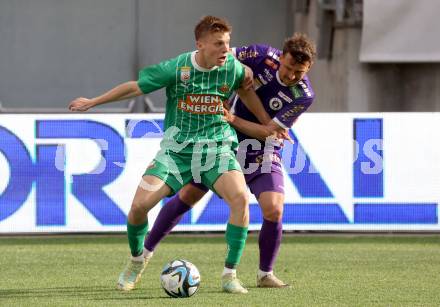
point(197, 83)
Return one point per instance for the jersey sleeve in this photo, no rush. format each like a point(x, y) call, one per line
point(250, 55)
point(157, 76)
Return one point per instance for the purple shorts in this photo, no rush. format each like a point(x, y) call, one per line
point(266, 182)
point(263, 182)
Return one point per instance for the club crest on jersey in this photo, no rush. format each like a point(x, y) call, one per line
point(224, 88)
point(185, 73)
point(275, 103)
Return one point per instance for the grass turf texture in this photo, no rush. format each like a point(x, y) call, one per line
point(324, 271)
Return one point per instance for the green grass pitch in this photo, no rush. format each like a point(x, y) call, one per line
point(324, 270)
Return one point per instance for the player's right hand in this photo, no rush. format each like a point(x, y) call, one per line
point(284, 135)
point(80, 104)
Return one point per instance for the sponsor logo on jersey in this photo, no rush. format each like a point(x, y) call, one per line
point(292, 112)
point(185, 73)
point(271, 64)
point(275, 103)
point(242, 55)
point(285, 97)
point(224, 88)
point(296, 92)
point(268, 75)
point(201, 104)
point(305, 88)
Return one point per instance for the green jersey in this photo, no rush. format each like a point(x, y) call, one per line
point(195, 96)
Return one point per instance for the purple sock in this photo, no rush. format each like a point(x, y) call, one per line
point(169, 216)
point(269, 241)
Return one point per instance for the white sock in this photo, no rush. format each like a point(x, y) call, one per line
point(261, 273)
point(229, 271)
point(138, 258)
point(147, 253)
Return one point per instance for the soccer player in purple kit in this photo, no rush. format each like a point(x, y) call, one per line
point(285, 91)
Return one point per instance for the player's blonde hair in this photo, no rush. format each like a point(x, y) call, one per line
point(300, 47)
point(211, 24)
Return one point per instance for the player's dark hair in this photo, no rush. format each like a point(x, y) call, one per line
point(211, 24)
point(300, 47)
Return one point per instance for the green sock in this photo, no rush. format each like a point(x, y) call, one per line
point(136, 236)
point(236, 240)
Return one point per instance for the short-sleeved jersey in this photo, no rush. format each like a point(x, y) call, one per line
point(195, 96)
point(283, 103)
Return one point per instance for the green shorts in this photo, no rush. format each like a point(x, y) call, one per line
point(203, 166)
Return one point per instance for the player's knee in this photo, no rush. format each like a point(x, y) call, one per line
point(243, 198)
point(239, 208)
point(240, 201)
point(139, 207)
point(273, 213)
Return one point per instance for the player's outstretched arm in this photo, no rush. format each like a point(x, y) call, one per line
point(254, 104)
point(123, 91)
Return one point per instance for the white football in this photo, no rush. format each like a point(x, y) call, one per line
point(180, 278)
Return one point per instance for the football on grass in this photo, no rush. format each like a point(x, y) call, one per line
point(180, 278)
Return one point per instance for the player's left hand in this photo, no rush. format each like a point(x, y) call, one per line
point(228, 116)
point(80, 104)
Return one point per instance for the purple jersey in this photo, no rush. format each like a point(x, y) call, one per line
point(283, 103)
